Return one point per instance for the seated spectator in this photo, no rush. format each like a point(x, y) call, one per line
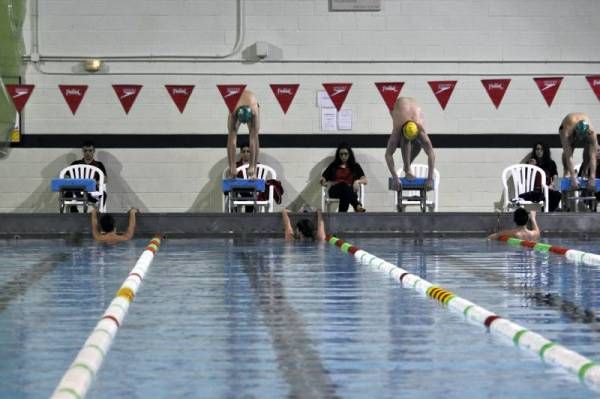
point(344, 176)
point(106, 232)
point(521, 217)
point(540, 157)
point(88, 159)
point(305, 229)
point(244, 157)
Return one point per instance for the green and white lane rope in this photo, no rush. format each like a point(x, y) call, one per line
point(587, 370)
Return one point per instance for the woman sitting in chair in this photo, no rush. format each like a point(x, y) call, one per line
point(344, 176)
point(540, 156)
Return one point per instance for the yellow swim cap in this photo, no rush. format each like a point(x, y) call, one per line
point(410, 130)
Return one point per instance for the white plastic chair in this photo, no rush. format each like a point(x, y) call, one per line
point(422, 171)
point(263, 172)
point(524, 179)
point(83, 171)
point(326, 201)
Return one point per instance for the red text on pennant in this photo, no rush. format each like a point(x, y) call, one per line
point(284, 93)
point(496, 88)
point(442, 90)
point(390, 92)
point(127, 95)
point(548, 87)
point(19, 94)
point(180, 95)
point(594, 81)
point(231, 94)
point(73, 95)
point(337, 93)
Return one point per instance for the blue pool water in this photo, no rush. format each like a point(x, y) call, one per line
point(227, 319)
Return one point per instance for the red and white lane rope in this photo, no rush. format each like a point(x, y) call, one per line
point(78, 378)
point(587, 370)
point(587, 258)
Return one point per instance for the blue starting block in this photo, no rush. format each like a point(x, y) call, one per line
point(88, 185)
point(418, 183)
point(243, 184)
point(565, 184)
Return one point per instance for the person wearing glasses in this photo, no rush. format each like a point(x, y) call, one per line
point(344, 176)
point(89, 151)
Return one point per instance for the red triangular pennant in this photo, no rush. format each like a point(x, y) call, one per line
point(390, 92)
point(180, 95)
point(231, 94)
point(594, 81)
point(284, 94)
point(73, 95)
point(496, 88)
point(127, 95)
point(337, 93)
point(442, 90)
point(548, 87)
point(19, 94)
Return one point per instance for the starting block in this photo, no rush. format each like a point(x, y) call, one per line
point(64, 186)
point(245, 189)
point(573, 198)
point(243, 184)
point(416, 184)
point(565, 184)
point(73, 184)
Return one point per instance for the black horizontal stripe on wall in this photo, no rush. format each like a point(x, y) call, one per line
point(516, 140)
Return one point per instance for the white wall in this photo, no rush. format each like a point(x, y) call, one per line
point(411, 41)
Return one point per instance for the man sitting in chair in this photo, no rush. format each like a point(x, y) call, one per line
point(88, 159)
point(106, 232)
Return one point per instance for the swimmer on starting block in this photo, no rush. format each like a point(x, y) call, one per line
point(521, 217)
point(409, 134)
point(106, 232)
point(575, 130)
point(246, 111)
point(305, 229)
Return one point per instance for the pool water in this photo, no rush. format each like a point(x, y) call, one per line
point(221, 318)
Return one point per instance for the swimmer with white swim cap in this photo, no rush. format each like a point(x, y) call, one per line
point(409, 134)
point(576, 130)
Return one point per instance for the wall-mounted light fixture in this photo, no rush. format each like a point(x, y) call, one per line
point(92, 64)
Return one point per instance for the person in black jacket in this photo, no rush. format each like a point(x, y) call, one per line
point(540, 156)
point(344, 176)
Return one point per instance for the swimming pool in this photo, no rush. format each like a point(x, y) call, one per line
point(227, 318)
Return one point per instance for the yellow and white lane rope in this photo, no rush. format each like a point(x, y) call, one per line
point(78, 378)
point(587, 370)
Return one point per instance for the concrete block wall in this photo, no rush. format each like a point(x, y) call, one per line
point(410, 41)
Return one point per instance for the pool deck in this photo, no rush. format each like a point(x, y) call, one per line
point(411, 224)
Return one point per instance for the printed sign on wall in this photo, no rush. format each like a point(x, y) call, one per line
point(337, 93)
point(548, 87)
point(390, 92)
point(442, 90)
point(73, 95)
point(231, 94)
point(19, 94)
point(496, 88)
point(284, 93)
point(180, 95)
point(594, 81)
point(127, 95)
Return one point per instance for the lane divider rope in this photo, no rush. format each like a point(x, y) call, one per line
point(77, 379)
point(587, 370)
point(573, 255)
